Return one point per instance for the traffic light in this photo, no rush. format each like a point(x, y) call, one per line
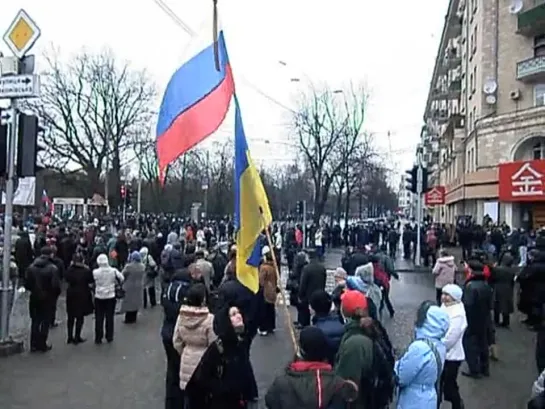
point(299, 208)
point(27, 145)
point(411, 179)
point(123, 192)
point(425, 186)
point(128, 194)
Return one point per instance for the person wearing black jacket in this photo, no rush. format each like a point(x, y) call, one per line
point(171, 300)
point(24, 255)
point(42, 280)
point(477, 300)
point(313, 278)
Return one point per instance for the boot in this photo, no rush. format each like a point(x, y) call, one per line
point(493, 351)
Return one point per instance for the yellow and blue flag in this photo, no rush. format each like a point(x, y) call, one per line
point(252, 211)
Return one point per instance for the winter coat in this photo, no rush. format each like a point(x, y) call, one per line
point(333, 329)
point(417, 369)
point(371, 290)
point(79, 299)
point(172, 297)
point(444, 271)
point(150, 268)
point(268, 281)
point(504, 287)
point(313, 278)
point(477, 301)
point(42, 280)
point(455, 333)
point(206, 269)
point(307, 385)
point(193, 334)
point(354, 360)
point(105, 279)
point(224, 378)
point(133, 285)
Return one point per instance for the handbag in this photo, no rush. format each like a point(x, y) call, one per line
point(119, 291)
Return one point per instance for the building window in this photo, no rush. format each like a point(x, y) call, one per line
point(474, 117)
point(539, 46)
point(538, 151)
point(539, 95)
point(470, 125)
point(474, 35)
point(474, 79)
point(471, 83)
point(474, 3)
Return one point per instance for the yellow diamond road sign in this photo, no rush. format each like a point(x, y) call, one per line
point(22, 34)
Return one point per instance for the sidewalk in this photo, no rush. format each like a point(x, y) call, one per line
point(407, 266)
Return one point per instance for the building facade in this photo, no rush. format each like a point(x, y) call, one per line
point(486, 109)
point(405, 199)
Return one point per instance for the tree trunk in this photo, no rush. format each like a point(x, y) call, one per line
point(347, 205)
point(114, 181)
point(183, 184)
point(360, 205)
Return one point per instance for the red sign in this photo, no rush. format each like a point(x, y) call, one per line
point(435, 196)
point(522, 181)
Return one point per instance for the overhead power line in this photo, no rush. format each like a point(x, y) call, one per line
point(176, 19)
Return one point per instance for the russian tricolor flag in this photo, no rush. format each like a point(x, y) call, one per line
point(195, 103)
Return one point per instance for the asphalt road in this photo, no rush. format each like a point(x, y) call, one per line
point(129, 373)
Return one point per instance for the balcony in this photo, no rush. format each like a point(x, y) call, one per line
point(532, 69)
point(531, 22)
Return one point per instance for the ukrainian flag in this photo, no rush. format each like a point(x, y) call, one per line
point(252, 212)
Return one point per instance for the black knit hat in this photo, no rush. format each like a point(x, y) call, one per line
point(313, 344)
point(320, 301)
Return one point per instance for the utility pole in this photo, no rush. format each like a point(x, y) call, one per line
point(419, 186)
point(304, 224)
point(17, 81)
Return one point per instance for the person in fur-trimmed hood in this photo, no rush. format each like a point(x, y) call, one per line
point(444, 272)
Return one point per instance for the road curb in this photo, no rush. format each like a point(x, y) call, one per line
point(413, 270)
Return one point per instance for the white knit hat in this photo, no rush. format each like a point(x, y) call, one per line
point(454, 291)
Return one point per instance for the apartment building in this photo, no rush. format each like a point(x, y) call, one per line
point(484, 132)
point(405, 199)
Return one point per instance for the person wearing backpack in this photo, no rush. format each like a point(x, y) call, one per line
point(365, 354)
point(309, 382)
point(419, 369)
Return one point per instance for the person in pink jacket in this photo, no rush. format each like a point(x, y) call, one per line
point(444, 272)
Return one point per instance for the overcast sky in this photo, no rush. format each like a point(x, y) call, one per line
point(388, 45)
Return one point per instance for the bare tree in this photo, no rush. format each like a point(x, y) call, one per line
point(93, 107)
point(354, 171)
point(329, 128)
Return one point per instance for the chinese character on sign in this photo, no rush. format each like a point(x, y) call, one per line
point(527, 182)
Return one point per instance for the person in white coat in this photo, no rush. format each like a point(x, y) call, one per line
point(451, 302)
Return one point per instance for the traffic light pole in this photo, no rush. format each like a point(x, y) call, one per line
point(304, 224)
point(8, 223)
point(419, 188)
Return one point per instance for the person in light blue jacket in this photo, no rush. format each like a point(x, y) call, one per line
point(419, 369)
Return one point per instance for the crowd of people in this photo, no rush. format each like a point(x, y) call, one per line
point(344, 357)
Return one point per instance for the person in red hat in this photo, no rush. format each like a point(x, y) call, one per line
point(365, 354)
